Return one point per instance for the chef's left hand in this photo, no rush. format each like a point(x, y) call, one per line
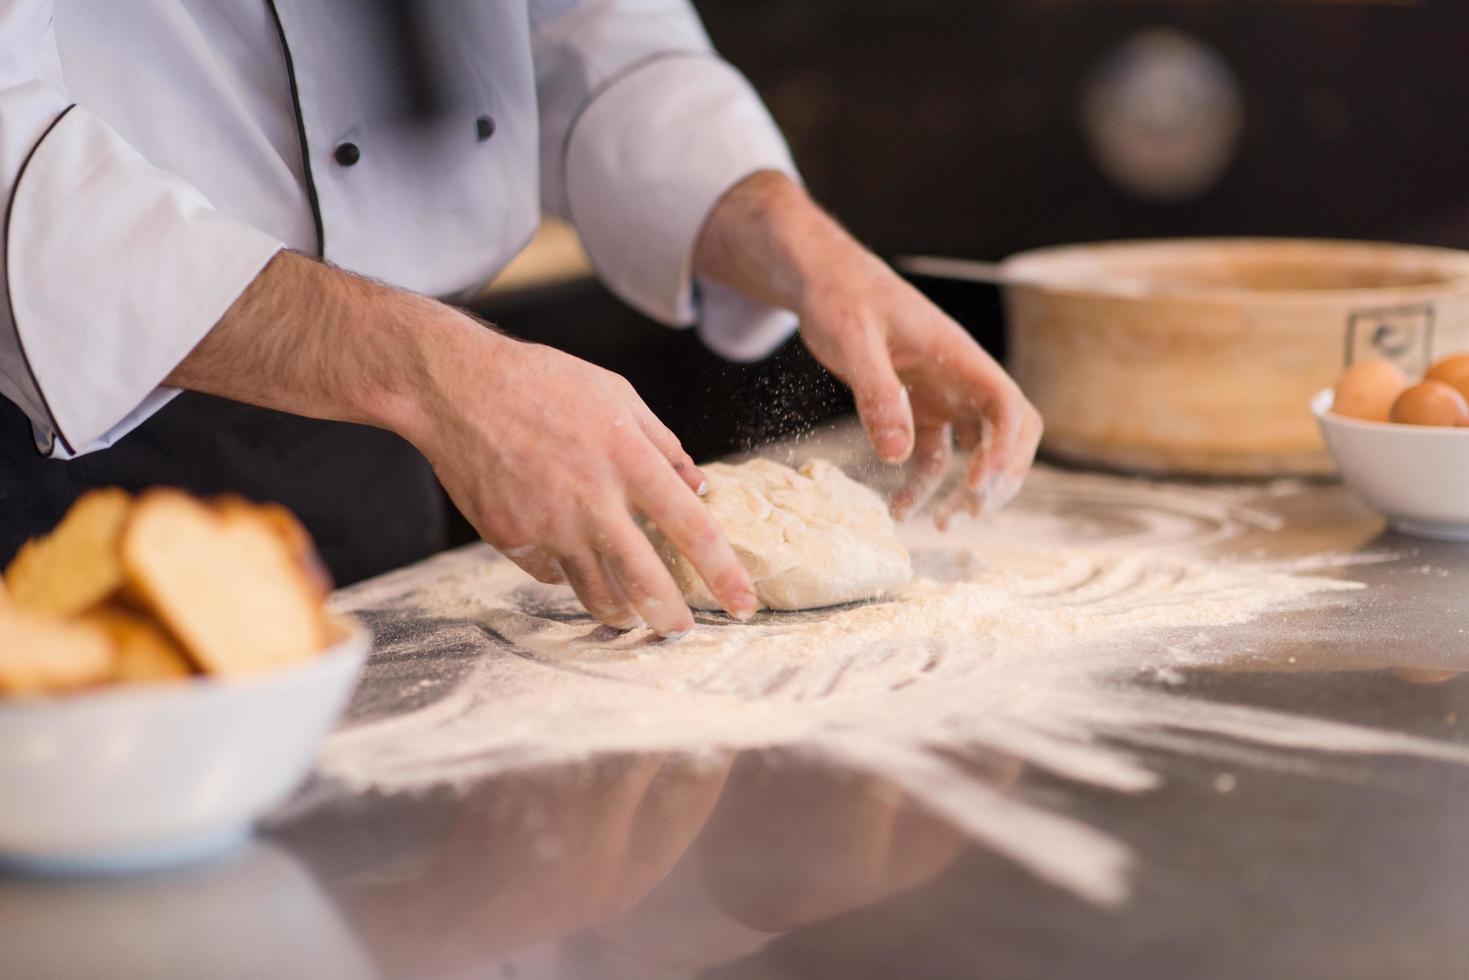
point(921, 383)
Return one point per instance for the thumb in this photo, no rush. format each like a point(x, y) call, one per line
point(882, 403)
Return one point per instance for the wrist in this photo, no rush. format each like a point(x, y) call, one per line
point(768, 239)
point(754, 240)
point(434, 352)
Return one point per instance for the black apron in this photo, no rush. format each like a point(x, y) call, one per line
point(368, 497)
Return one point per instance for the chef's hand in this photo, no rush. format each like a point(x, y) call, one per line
point(550, 458)
point(921, 382)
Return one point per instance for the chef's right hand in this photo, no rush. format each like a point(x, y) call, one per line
point(550, 458)
point(547, 456)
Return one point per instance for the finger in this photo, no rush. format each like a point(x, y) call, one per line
point(672, 450)
point(961, 499)
point(537, 563)
point(933, 452)
point(988, 484)
point(986, 455)
point(994, 489)
point(1001, 419)
point(603, 600)
point(1008, 484)
point(1031, 432)
point(641, 576)
point(690, 528)
point(882, 400)
point(970, 434)
point(1004, 415)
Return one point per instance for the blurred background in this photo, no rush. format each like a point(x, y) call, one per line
point(978, 128)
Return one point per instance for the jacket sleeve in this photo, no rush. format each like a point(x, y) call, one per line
point(111, 269)
point(643, 129)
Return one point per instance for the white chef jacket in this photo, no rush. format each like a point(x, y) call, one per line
point(156, 153)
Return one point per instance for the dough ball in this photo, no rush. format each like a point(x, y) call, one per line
point(1431, 403)
point(809, 538)
point(1368, 389)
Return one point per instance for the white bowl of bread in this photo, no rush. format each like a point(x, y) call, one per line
point(167, 668)
point(1403, 445)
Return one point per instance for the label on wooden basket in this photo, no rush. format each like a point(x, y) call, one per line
point(1403, 334)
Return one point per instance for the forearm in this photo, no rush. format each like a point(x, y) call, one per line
point(312, 340)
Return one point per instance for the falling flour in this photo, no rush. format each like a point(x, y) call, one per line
point(1045, 634)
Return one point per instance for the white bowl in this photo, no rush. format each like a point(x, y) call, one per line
point(1416, 475)
point(145, 776)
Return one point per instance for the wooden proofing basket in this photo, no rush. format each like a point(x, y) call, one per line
point(1211, 371)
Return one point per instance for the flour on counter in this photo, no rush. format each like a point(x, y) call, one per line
point(1051, 634)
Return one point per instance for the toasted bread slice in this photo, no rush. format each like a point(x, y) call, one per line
point(296, 538)
point(76, 566)
point(43, 655)
point(224, 583)
point(143, 651)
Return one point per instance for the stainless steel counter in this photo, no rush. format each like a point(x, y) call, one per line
point(775, 862)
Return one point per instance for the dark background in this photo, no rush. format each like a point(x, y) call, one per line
point(954, 127)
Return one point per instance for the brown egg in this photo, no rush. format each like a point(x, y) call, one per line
point(1461, 385)
point(1450, 369)
point(1368, 389)
point(1431, 403)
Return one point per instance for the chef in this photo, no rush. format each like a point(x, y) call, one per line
point(234, 228)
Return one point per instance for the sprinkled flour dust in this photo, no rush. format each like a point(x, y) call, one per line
point(1052, 633)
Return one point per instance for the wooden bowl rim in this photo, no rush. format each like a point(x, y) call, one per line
point(1453, 262)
